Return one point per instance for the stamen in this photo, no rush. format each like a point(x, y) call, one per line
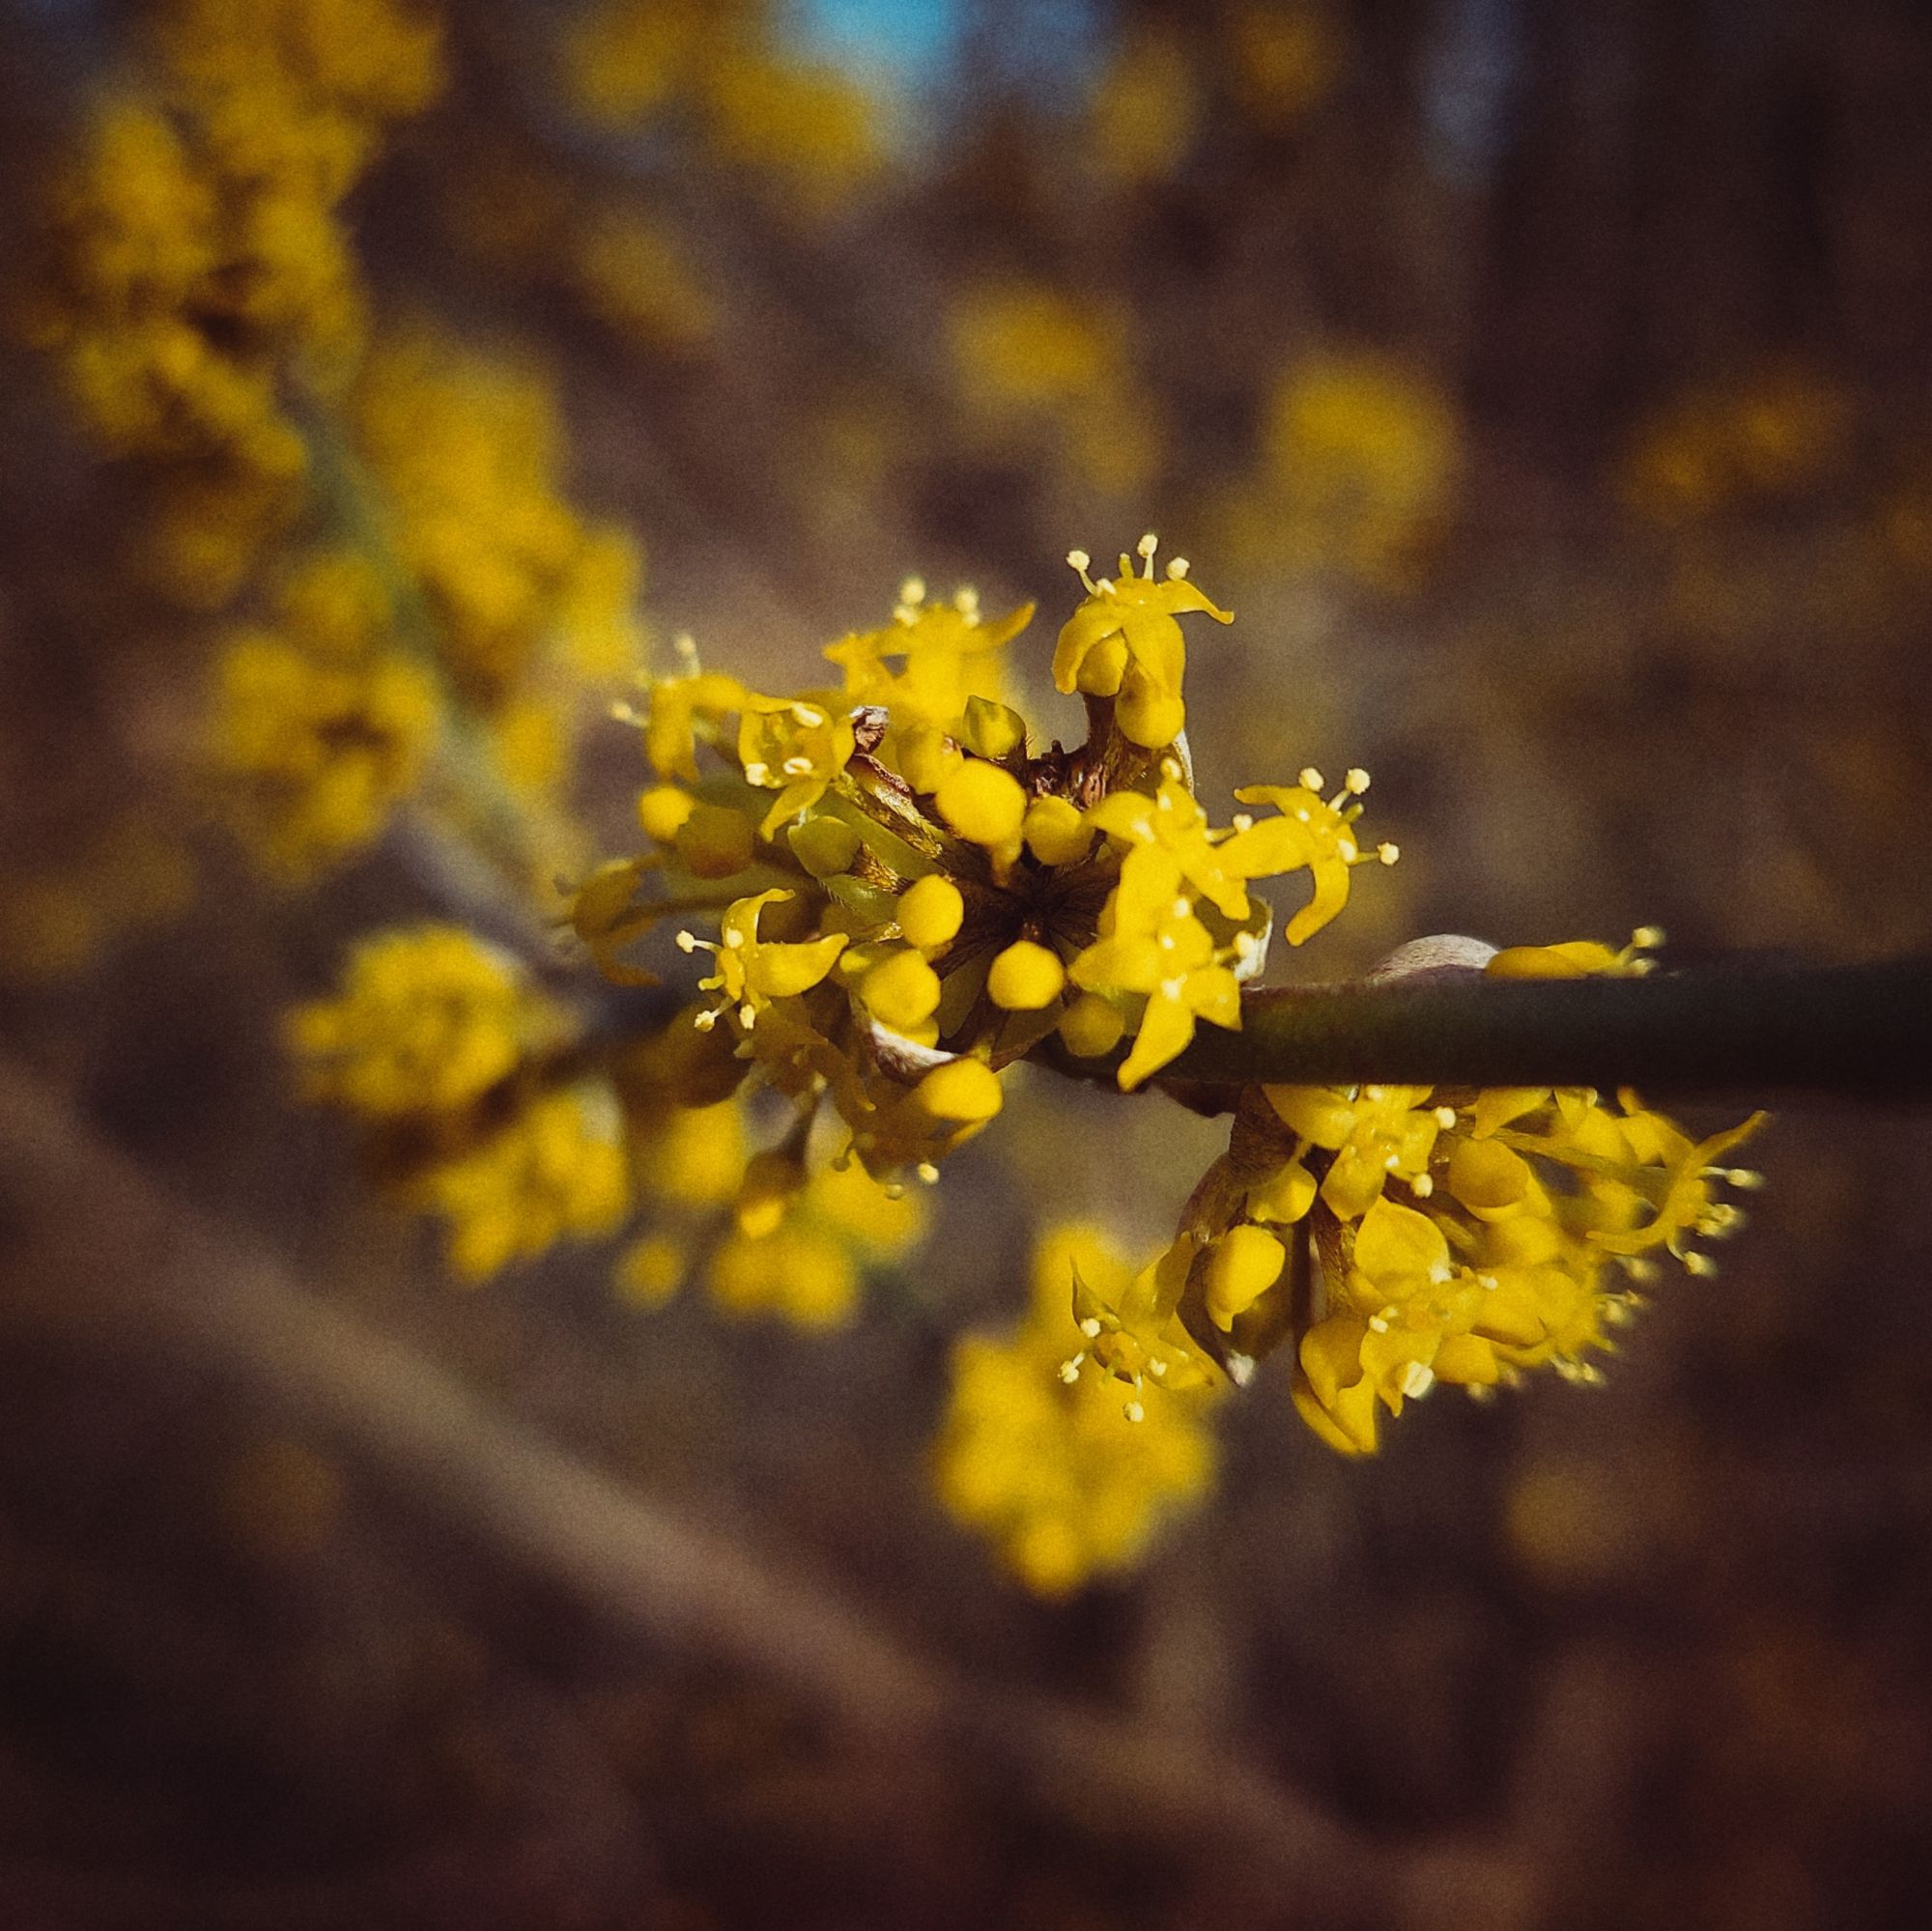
point(748, 1015)
point(1422, 1186)
point(757, 773)
point(686, 646)
point(1388, 852)
point(797, 767)
point(1070, 1370)
point(1309, 778)
point(1134, 1411)
point(1145, 548)
point(705, 1020)
point(1445, 1117)
point(927, 1171)
point(1355, 780)
point(687, 941)
point(912, 592)
point(733, 938)
point(1416, 1381)
point(1243, 821)
point(1177, 571)
point(1090, 1327)
point(809, 715)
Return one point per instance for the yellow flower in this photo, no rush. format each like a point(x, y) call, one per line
point(929, 662)
point(1176, 967)
point(795, 748)
point(1124, 641)
point(318, 753)
point(1169, 842)
point(1310, 832)
point(428, 1019)
point(1065, 1477)
point(557, 1168)
point(676, 707)
point(1373, 1131)
point(752, 972)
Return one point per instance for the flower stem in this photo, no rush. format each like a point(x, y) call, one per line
point(1748, 1025)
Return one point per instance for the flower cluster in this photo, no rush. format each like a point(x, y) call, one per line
point(486, 1103)
point(911, 896)
point(1397, 1236)
point(1066, 1480)
point(197, 269)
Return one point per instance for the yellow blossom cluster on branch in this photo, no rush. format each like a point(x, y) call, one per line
point(486, 1103)
point(1063, 1479)
point(912, 894)
point(198, 277)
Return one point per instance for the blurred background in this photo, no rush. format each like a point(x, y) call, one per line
point(1547, 387)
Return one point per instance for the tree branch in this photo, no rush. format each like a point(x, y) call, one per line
point(1749, 1026)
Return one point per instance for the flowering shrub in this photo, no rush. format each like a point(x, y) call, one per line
point(890, 886)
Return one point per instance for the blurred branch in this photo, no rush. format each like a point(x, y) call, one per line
point(1753, 1027)
point(102, 1247)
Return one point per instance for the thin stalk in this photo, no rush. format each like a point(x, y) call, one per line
point(1751, 1027)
